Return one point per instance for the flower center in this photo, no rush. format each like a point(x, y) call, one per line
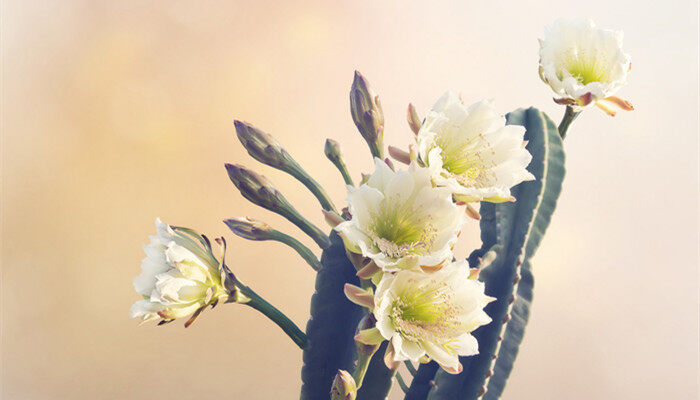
point(426, 313)
point(586, 69)
point(465, 161)
point(399, 231)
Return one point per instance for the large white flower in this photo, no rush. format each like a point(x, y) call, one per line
point(471, 150)
point(584, 64)
point(431, 314)
point(179, 277)
point(400, 220)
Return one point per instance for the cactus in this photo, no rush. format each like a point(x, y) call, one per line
point(513, 231)
point(390, 290)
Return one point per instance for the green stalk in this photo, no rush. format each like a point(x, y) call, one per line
point(299, 247)
point(409, 366)
point(310, 229)
point(297, 172)
point(376, 148)
point(402, 383)
point(362, 364)
point(343, 171)
point(275, 315)
point(569, 117)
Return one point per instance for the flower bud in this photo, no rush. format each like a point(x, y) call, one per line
point(344, 387)
point(249, 228)
point(367, 114)
point(333, 153)
point(263, 147)
point(332, 150)
point(256, 188)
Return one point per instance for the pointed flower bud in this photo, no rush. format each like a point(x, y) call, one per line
point(253, 229)
point(267, 150)
point(344, 387)
point(249, 228)
point(367, 114)
point(256, 188)
point(262, 146)
point(180, 277)
point(260, 191)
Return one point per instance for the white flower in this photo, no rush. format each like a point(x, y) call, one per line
point(584, 64)
point(431, 314)
point(400, 221)
point(471, 150)
point(179, 277)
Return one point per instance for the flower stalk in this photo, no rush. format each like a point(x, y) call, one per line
point(258, 303)
point(569, 116)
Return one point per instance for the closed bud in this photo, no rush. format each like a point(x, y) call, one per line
point(332, 150)
point(344, 387)
point(256, 188)
point(262, 146)
point(249, 228)
point(367, 114)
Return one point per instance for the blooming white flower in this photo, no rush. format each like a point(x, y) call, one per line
point(180, 277)
point(584, 64)
point(471, 150)
point(400, 221)
point(431, 314)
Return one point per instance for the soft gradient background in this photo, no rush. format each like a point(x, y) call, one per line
point(115, 112)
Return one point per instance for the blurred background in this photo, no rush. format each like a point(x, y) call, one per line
point(117, 112)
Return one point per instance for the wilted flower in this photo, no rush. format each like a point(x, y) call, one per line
point(584, 64)
point(400, 220)
point(429, 314)
point(180, 277)
point(471, 150)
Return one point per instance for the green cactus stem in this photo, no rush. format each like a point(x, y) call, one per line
point(513, 231)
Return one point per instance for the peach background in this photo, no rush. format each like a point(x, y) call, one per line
point(115, 112)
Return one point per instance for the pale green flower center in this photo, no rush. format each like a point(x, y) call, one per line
point(586, 69)
point(465, 161)
point(399, 230)
point(426, 313)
